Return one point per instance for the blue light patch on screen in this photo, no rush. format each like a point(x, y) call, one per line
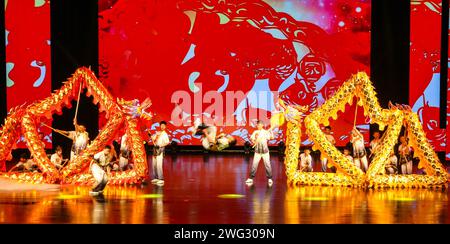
point(431, 93)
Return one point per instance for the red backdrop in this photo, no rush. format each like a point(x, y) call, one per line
point(28, 66)
point(156, 48)
point(425, 56)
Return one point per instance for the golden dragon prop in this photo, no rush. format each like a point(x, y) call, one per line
point(347, 173)
point(76, 172)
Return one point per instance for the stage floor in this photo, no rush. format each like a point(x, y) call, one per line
point(211, 189)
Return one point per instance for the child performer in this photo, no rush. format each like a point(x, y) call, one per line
point(102, 159)
point(331, 139)
point(160, 141)
point(25, 164)
point(80, 139)
point(210, 139)
point(404, 151)
point(207, 133)
point(57, 158)
point(306, 161)
point(224, 141)
point(105, 157)
point(375, 142)
point(359, 151)
point(259, 138)
point(391, 166)
point(347, 154)
point(124, 153)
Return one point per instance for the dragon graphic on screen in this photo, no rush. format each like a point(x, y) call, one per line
point(425, 68)
point(258, 51)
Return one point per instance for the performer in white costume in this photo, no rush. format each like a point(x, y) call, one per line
point(80, 138)
point(160, 141)
point(97, 168)
point(331, 139)
point(259, 138)
point(359, 150)
point(306, 161)
point(404, 151)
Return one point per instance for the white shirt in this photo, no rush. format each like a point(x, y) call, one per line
point(374, 143)
point(80, 139)
point(97, 172)
point(56, 159)
point(261, 136)
point(123, 143)
point(162, 139)
point(102, 158)
point(211, 134)
point(404, 150)
point(305, 160)
point(205, 143)
point(393, 160)
point(223, 140)
point(358, 143)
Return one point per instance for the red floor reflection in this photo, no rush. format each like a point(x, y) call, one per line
point(194, 193)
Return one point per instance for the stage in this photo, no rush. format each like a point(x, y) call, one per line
point(210, 189)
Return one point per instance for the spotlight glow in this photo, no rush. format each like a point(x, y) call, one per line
point(66, 197)
point(404, 199)
point(230, 196)
point(315, 198)
point(150, 196)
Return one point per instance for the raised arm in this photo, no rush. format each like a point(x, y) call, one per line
point(63, 132)
point(358, 133)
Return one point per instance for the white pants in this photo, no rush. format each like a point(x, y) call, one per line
point(361, 162)
point(407, 168)
point(324, 164)
point(101, 179)
point(123, 162)
point(157, 166)
point(266, 159)
point(390, 171)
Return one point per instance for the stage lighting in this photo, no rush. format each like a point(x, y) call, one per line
point(230, 196)
point(150, 196)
